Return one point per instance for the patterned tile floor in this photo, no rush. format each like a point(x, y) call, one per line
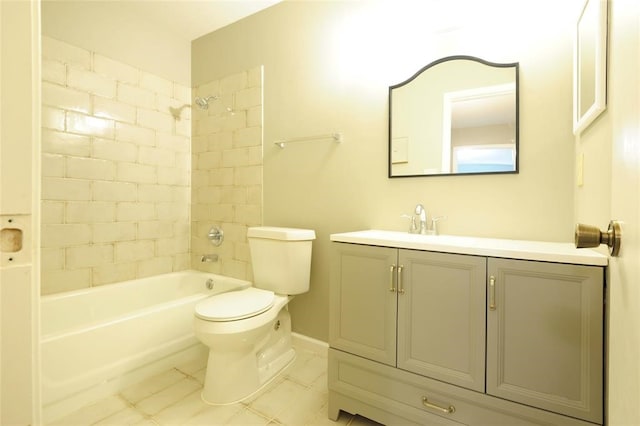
point(298, 397)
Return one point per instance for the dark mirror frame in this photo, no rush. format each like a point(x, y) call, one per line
point(514, 65)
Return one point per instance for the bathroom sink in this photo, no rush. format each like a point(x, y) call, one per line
point(494, 247)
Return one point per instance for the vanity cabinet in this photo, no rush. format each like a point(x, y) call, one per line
point(425, 337)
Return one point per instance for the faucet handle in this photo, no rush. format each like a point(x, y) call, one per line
point(413, 227)
point(434, 224)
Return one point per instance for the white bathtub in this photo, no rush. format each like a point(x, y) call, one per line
point(92, 338)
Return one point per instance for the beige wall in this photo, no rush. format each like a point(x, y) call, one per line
point(227, 171)
point(116, 170)
point(327, 67)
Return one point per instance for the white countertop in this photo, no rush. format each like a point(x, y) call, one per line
point(512, 249)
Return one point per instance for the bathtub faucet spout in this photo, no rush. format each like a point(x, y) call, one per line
point(209, 258)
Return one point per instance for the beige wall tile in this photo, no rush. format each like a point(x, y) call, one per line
point(113, 273)
point(56, 142)
point(138, 135)
point(248, 98)
point(156, 120)
point(54, 72)
point(114, 110)
point(88, 256)
point(173, 176)
point(88, 125)
point(155, 266)
point(52, 211)
point(65, 189)
point(89, 212)
point(108, 149)
point(65, 235)
point(150, 230)
point(136, 96)
point(156, 84)
point(52, 118)
point(135, 212)
point(134, 250)
point(114, 232)
point(156, 156)
point(91, 82)
point(114, 191)
point(52, 259)
point(136, 173)
point(66, 98)
point(52, 165)
point(90, 168)
point(57, 50)
point(116, 170)
point(115, 69)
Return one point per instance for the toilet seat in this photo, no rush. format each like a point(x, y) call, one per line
point(235, 305)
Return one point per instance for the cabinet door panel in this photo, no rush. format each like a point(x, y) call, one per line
point(363, 307)
point(441, 317)
point(545, 336)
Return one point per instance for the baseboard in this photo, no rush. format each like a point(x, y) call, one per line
point(300, 341)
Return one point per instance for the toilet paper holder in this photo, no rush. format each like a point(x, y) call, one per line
point(591, 236)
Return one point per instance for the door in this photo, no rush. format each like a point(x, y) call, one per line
point(441, 317)
point(19, 135)
point(624, 271)
point(363, 302)
point(545, 336)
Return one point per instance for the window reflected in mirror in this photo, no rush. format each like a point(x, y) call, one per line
point(457, 115)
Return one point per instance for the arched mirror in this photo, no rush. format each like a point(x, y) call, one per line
point(457, 115)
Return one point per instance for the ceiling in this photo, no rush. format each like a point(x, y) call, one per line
point(184, 19)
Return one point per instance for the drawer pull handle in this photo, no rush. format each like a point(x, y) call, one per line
point(400, 286)
point(492, 293)
point(447, 410)
point(392, 270)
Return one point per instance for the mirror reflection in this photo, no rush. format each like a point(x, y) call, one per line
point(457, 115)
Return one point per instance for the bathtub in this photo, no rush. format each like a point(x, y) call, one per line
point(96, 341)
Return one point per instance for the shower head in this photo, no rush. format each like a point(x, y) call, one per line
point(203, 103)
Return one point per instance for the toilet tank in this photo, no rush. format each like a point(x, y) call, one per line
point(281, 258)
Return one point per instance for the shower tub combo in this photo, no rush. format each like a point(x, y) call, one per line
point(97, 341)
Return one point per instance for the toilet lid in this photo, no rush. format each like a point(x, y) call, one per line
point(235, 305)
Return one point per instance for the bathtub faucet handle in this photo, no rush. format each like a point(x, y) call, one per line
point(209, 283)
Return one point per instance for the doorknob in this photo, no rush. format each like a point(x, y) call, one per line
point(591, 236)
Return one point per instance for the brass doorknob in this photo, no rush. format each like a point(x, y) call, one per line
point(591, 236)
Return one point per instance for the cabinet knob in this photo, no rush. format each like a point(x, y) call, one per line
point(591, 236)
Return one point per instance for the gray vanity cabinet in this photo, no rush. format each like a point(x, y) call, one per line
point(441, 316)
point(429, 306)
point(545, 336)
point(424, 337)
point(363, 307)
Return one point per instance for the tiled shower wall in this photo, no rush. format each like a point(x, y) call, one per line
point(227, 171)
point(116, 170)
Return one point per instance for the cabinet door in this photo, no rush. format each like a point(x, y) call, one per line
point(441, 317)
point(545, 336)
point(363, 301)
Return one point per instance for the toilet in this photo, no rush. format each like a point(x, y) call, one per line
point(248, 332)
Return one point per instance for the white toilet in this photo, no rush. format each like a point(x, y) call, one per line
point(248, 331)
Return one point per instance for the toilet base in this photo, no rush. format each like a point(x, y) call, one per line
point(235, 375)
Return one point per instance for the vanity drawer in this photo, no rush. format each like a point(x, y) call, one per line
point(423, 400)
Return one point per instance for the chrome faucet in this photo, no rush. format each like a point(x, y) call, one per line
point(420, 211)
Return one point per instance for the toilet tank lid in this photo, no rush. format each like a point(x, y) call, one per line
point(277, 233)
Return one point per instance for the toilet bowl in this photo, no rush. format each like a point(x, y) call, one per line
point(248, 332)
